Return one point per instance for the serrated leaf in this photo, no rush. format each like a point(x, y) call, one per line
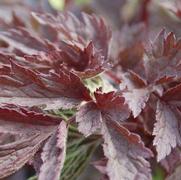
point(29, 45)
point(29, 129)
point(164, 61)
point(92, 114)
point(70, 28)
point(79, 152)
point(53, 154)
point(123, 149)
point(173, 96)
point(166, 130)
point(79, 45)
point(106, 113)
point(86, 62)
point(172, 160)
point(93, 120)
point(22, 86)
point(136, 100)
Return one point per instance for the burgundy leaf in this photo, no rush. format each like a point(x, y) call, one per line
point(159, 63)
point(100, 165)
point(136, 100)
point(34, 62)
point(29, 130)
point(129, 39)
point(78, 32)
point(53, 154)
point(89, 118)
point(147, 117)
point(81, 47)
point(111, 101)
point(173, 96)
point(123, 150)
point(22, 42)
point(47, 64)
point(136, 91)
point(129, 60)
point(85, 63)
point(164, 59)
point(176, 174)
point(33, 116)
point(172, 161)
point(17, 21)
point(92, 114)
point(26, 87)
point(109, 108)
point(166, 130)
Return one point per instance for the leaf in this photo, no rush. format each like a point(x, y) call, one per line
point(129, 39)
point(173, 96)
point(32, 116)
point(136, 91)
point(166, 130)
point(158, 46)
point(157, 64)
point(22, 42)
point(89, 119)
point(91, 115)
point(29, 130)
point(85, 63)
point(136, 100)
point(125, 152)
point(172, 161)
point(175, 175)
point(109, 108)
point(81, 47)
point(147, 116)
point(53, 154)
point(79, 153)
point(158, 173)
point(80, 33)
point(131, 60)
point(80, 51)
point(22, 86)
point(164, 58)
point(95, 83)
point(100, 165)
point(33, 62)
point(169, 116)
point(67, 25)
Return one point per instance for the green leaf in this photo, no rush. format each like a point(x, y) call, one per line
point(93, 83)
point(158, 174)
point(79, 153)
point(63, 113)
point(98, 82)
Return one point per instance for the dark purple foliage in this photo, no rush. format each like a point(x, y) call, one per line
point(47, 62)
